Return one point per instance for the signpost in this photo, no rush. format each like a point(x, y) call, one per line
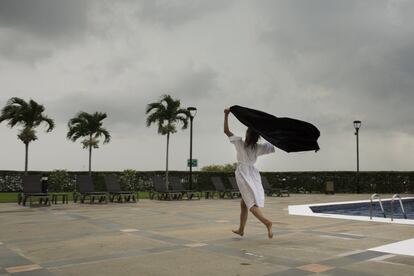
point(193, 164)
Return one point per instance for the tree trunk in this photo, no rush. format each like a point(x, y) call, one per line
point(90, 156)
point(26, 160)
point(166, 162)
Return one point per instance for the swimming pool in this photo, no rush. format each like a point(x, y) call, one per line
point(362, 209)
point(358, 210)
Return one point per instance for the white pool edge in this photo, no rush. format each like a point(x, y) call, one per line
point(305, 210)
point(405, 247)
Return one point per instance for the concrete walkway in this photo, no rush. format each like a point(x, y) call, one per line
point(194, 238)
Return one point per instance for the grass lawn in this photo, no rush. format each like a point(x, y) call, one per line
point(8, 197)
point(12, 197)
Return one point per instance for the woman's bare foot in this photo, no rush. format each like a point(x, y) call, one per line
point(269, 230)
point(238, 232)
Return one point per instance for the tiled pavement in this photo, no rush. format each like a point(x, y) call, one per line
point(193, 238)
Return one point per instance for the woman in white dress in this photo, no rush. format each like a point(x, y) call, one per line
point(247, 176)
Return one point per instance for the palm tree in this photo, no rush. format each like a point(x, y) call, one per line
point(89, 126)
point(29, 115)
point(167, 113)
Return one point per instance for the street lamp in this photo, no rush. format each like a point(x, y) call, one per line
point(357, 126)
point(193, 112)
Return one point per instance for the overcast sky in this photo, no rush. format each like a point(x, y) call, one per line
point(325, 62)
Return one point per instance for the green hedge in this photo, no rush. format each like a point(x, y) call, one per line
point(345, 182)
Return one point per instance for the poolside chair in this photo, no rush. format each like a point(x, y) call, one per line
point(222, 191)
point(86, 190)
point(32, 188)
point(209, 194)
point(114, 190)
point(234, 185)
point(177, 186)
point(270, 191)
point(161, 192)
point(329, 188)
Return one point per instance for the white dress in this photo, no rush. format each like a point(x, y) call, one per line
point(247, 176)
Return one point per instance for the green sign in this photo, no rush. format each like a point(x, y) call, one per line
point(193, 164)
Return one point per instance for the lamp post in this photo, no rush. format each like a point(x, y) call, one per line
point(193, 112)
point(357, 126)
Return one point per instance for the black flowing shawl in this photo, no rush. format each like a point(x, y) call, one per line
point(288, 134)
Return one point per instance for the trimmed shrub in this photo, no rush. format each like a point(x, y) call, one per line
point(60, 181)
point(10, 181)
point(128, 180)
point(345, 182)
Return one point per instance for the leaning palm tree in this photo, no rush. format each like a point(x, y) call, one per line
point(89, 126)
point(167, 113)
point(29, 115)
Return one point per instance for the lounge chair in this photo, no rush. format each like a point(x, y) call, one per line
point(209, 194)
point(32, 187)
point(177, 186)
point(86, 189)
point(222, 191)
point(329, 187)
point(161, 192)
point(270, 191)
point(234, 185)
point(114, 190)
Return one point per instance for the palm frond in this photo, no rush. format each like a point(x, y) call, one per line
point(99, 116)
point(183, 120)
point(28, 114)
point(105, 133)
point(167, 113)
point(13, 111)
point(75, 132)
point(49, 122)
point(94, 143)
point(27, 135)
point(152, 118)
point(15, 120)
point(88, 125)
point(152, 106)
point(18, 101)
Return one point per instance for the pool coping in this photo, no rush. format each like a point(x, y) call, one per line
point(405, 247)
point(305, 210)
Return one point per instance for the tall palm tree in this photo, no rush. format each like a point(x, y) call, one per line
point(167, 113)
point(29, 115)
point(89, 126)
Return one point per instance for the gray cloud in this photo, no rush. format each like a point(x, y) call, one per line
point(15, 46)
point(359, 53)
point(126, 109)
point(175, 13)
point(195, 84)
point(32, 30)
point(48, 18)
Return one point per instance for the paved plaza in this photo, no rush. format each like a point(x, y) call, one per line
point(194, 238)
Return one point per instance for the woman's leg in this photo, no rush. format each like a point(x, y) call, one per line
point(243, 218)
point(258, 214)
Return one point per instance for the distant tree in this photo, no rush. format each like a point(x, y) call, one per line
point(29, 115)
point(89, 126)
point(220, 168)
point(166, 113)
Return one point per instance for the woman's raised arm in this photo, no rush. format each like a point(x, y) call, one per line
point(226, 123)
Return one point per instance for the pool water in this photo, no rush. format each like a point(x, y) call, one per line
point(362, 209)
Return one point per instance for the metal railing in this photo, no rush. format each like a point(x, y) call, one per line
point(397, 196)
point(380, 203)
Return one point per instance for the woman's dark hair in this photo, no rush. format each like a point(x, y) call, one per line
point(251, 138)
